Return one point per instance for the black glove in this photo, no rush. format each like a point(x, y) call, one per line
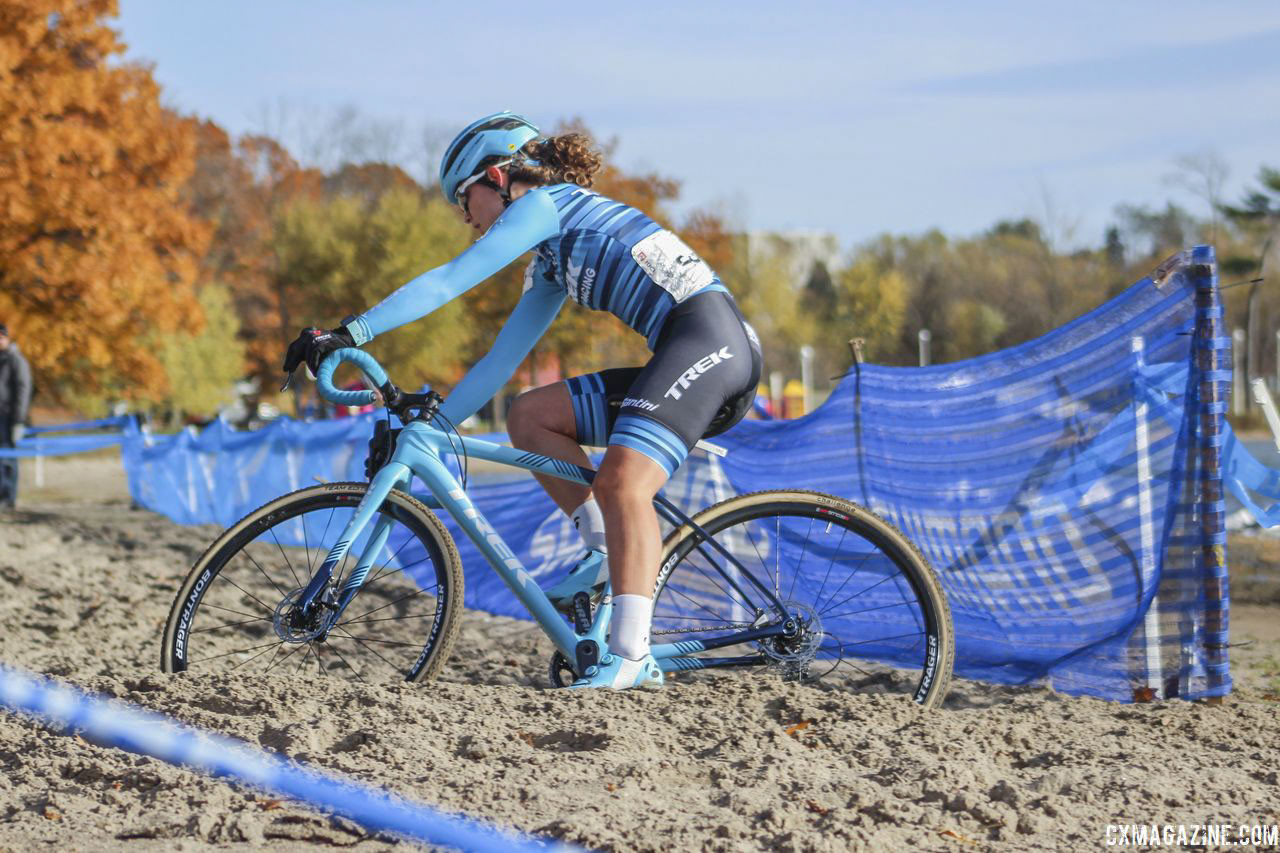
point(312, 345)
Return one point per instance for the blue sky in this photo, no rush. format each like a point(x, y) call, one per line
point(853, 118)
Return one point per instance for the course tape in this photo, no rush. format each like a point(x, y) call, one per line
point(60, 445)
point(114, 723)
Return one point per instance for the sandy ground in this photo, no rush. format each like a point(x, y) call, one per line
point(709, 763)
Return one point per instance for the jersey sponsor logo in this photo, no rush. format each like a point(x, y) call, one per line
point(581, 280)
point(698, 368)
point(639, 403)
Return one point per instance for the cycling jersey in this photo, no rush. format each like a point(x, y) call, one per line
point(604, 255)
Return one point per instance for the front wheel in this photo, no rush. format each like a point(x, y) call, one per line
point(869, 609)
point(232, 612)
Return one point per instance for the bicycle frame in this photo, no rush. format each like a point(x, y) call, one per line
point(419, 452)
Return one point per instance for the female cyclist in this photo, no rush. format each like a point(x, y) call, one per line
point(521, 193)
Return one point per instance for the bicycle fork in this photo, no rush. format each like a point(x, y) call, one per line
point(318, 593)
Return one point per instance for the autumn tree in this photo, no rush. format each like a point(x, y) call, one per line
point(344, 254)
point(97, 250)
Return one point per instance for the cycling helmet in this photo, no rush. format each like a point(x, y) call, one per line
point(491, 141)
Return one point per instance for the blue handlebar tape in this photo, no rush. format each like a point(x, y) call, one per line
point(362, 360)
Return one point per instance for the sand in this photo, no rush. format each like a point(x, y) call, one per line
point(709, 763)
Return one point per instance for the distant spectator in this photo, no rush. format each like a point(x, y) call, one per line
point(15, 400)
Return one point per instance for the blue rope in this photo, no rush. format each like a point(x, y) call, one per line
point(119, 725)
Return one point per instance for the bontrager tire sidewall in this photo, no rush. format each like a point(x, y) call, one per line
point(936, 672)
point(435, 651)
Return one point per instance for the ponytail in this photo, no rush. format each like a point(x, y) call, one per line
point(569, 158)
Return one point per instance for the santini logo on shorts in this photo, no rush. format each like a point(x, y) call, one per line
point(700, 367)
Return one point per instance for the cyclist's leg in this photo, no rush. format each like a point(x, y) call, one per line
point(542, 421)
point(625, 487)
point(705, 359)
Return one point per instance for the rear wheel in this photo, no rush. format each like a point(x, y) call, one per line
point(231, 613)
point(868, 608)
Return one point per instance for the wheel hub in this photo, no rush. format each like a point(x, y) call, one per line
point(292, 626)
point(796, 649)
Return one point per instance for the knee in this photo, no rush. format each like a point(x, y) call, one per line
point(613, 488)
point(532, 413)
point(522, 418)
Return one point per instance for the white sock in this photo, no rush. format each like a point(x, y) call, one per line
point(629, 630)
point(590, 523)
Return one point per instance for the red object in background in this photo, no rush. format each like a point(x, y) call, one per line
point(346, 411)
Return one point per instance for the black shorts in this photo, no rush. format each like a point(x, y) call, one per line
point(700, 381)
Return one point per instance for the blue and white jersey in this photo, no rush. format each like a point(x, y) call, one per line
point(599, 253)
point(611, 257)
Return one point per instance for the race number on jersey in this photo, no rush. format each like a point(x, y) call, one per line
point(672, 265)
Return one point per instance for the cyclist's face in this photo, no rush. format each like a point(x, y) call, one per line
point(481, 205)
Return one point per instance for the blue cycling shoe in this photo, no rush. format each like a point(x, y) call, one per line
point(589, 576)
point(621, 673)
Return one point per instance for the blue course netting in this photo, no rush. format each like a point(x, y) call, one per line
point(1068, 491)
point(116, 724)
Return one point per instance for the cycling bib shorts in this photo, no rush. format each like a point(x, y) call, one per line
point(700, 381)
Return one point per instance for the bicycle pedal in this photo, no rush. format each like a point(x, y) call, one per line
point(581, 613)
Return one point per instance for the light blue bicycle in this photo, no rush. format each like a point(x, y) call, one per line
point(363, 580)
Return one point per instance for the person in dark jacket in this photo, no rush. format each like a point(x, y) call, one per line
point(15, 399)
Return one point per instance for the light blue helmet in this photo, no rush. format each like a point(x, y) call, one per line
point(491, 141)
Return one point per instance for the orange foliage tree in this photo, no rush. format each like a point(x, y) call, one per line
point(241, 188)
point(97, 250)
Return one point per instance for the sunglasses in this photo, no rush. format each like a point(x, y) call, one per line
point(461, 192)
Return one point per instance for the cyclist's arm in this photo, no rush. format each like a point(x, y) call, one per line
point(529, 220)
point(527, 323)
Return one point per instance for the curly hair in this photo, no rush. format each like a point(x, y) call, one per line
point(570, 158)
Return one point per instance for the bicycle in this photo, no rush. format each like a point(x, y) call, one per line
point(800, 581)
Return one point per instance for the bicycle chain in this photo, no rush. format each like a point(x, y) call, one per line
point(742, 625)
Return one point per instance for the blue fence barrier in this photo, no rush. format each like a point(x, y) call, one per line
point(1069, 490)
point(113, 723)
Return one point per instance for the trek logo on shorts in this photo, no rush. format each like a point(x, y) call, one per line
point(699, 367)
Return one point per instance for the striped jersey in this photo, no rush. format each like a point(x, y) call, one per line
point(611, 257)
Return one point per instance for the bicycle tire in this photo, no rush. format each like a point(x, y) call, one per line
point(267, 566)
point(700, 603)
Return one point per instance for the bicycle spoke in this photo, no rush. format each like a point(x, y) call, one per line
point(800, 561)
point(858, 594)
point(347, 664)
point(296, 649)
point(238, 651)
point(270, 610)
point(389, 619)
point(704, 573)
point(848, 577)
point(698, 603)
point(885, 639)
point(229, 625)
point(254, 658)
point(375, 652)
point(869, 609)
point(385, 606)
point(229, 610)
point(254, 560)
point(287, 561)
point(817, 596)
